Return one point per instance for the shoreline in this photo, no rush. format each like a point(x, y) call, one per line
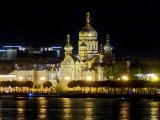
point(82, 95)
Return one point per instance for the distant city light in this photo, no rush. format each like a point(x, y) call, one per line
point(12, 46)
point(56, 47)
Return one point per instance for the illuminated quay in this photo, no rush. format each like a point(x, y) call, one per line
point(93, 70)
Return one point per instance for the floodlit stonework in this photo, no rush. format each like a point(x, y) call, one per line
point(88, 64)
point(91, 59)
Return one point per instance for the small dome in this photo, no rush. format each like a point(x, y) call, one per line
point(88, 30)
point(108, 47)
point(68, 46)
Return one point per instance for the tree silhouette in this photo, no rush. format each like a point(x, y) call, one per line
point(29, 84)
point(72, 84)
point(47, 84)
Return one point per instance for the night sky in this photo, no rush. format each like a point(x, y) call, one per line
point(133, 25)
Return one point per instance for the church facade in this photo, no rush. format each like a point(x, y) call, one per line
point(89, 64)
point(91, 59)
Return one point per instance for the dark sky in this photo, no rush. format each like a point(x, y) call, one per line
point(133, 25)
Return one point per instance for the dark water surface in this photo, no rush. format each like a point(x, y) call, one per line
point(78, 109)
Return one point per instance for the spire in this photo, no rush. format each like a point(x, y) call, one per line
point(68, 47)
point(108, 39)
point(101, 54)
point(88, 18)
point(101, 49)
point(108, 47)
point(68, 39)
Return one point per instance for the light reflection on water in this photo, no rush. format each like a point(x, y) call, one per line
point(124, 110)
point(67, 108)
point(78, 109)
point(154, 115)
point(89, 105)
point(20, 109)
point(42, 108)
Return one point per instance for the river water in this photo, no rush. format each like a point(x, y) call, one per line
point(42, 108)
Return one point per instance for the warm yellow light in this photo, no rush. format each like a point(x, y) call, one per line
point(20, 78)
point(124, 77)
point(154, 77)
point(110, 77)
point(67, 78)
point(89, 78)
point(42, 78)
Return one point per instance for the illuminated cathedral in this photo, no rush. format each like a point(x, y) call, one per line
point(91, 59)
point(88, 64)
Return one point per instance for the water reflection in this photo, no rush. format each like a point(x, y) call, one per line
point(124, 111)
point(78, 109)
point(21, 104)
point(0, 109)
point(67, 108)
point(89, 109)
point(154, 109)
point(42, 108)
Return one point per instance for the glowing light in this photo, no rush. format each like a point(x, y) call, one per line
point(30, 94)
point(20, 78)
point(89, 78)
point(67, 78)
point(124, 77)
point(154, 77)
point(110, 77)
point(7, 75)
point(57, 47)
point(42, 78)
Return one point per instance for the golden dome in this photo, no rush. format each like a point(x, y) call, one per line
point(68, 46)
point(88, 30)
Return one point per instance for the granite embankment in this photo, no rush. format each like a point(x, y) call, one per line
point(81, 95)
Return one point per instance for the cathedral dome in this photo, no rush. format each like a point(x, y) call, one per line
point(108, 47)
point(88, 30)
point(68, 46)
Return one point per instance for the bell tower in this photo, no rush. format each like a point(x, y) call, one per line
point(68, 47)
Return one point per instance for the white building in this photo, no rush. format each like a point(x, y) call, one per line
point(91, 59)
point(88, 64)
